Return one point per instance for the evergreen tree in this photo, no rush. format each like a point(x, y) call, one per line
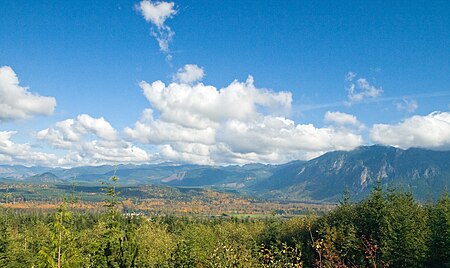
point(62, 251)
point(439, 242)
point(119, 246)
point(371, 213)
point(340, 231)
point(405, 233)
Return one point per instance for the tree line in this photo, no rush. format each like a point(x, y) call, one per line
point(387, 229)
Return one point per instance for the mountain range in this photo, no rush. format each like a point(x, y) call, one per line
point(425, 172)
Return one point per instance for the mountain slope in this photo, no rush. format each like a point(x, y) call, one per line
point(46, 177)
point(325, 178)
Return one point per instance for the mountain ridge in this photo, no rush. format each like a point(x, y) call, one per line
point(324, 178)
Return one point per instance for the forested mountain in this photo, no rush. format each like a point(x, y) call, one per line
point(426, 173)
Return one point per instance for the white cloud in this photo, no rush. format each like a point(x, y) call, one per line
point(430, 131)
point(64, 133)
point(342, 119)
point(196, 123)
point(98, 152)
point(283, 139)
point(149, 130)
point(201, 106)
point(157, 13)
point(99, 126)
point(239, 123)
point(189, 73)
point(16, 102)
point(360, 89)
point(407, 105)
point(101, 151)
point(15, 153)
point(90, 141)
point(187, 152)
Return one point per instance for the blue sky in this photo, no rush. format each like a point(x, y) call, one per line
point(91, 57)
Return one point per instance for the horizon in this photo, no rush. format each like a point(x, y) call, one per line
point(189, 82)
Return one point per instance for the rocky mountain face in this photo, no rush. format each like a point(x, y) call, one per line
point(424, 172)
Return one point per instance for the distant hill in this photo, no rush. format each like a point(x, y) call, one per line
point(19, 171)
point(325, 178)
point(46, 177)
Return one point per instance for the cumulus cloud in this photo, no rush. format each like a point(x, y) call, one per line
point(187, 152)
point(407, 105)
point(239, 123)
point(342, 119)
point(14, 153)
point(64, 133)
point(16, 102)
point(282, 139)
point(201, 106)
point(189, 73)
point(157, 13)
point(90, 141)
point(360, 89)
point(99, 126)
point(149, 130)
point(430, 131)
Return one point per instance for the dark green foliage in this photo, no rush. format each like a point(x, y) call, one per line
point(405, 231)
point(439, 242)
point(386, 229)
point(182, 255)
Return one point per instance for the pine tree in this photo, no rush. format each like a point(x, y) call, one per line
point(439, 242)
point(405, 233)
point(371, 213)
point(120, 248)
point(62, 252)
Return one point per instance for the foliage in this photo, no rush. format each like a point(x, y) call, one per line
point(386, 229)
point(439, 242)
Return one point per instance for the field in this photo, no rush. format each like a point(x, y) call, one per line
point(152, 200)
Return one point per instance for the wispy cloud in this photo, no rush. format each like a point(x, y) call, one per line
point(360, 89)
point(407, 105)
point(157, 13)
point(310, 107)
point(350, 76)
